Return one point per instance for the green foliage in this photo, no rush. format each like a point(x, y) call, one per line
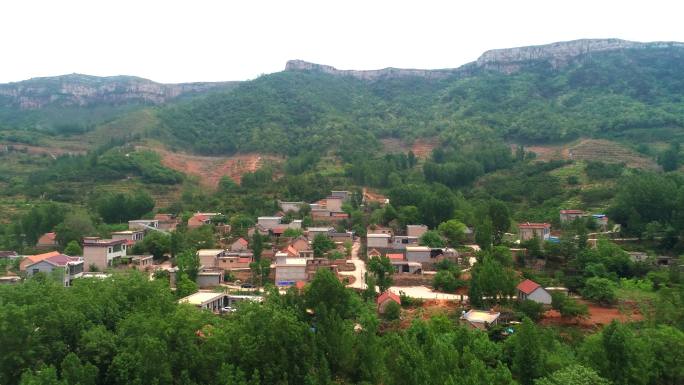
point(293, 233)
point(392, 311)
point(155, 243)
point(490, 281)
point(382, 269)
point(75, 226)
point(119, 208)
point(531, 309)
point(597, 170)
point(321, 245)
point(453, 230)
point(600, 290)
point(573, 375)
point(73, 248)
point(431, 238)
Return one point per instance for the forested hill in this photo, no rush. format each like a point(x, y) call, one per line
point(596, 88)
point(74, 103)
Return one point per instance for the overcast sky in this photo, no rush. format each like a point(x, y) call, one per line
point(205, 40)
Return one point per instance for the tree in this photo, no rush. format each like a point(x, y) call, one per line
point(392, 311)
point(490, 281)
point(257, 245)
point(292, 233)
point(483, 234)
point(73, 248)
point(321, 245)
point(260, 271)
point(185, 286)
point(75, 226)
point(447, 281)
point(531, 309)
point(156, 243)
point(527, 356)
point(188, 263)
point(573, 375)
point(453, 230)
point(119, 208)
point(600, 290)
point(570, 308)
point(382, 269)
point(501, 219)
point(431, 238)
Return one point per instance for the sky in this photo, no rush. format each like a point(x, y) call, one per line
point(174, 41)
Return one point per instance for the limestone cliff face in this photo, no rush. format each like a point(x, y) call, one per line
point(84, 90)
point(301, 65)
point(508, 60)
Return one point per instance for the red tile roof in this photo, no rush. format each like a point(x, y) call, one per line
point(243, 241)
point(388, 295)
point(61, 259)
point(527, 286)
point(278, 230)
point(530, 225)
point(396, 256)
point(40, 257)
point(300, 285)
point(244, 260)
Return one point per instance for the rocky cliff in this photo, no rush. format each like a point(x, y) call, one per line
point(84, 90)
point(506, 60)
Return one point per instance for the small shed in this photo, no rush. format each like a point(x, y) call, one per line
point(531, 290)
point(384, 299)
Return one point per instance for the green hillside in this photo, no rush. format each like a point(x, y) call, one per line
point(631, 94)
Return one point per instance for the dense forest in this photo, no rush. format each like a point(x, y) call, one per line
point(632, 94)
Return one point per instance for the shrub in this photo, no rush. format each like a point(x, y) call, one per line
point(600, 290)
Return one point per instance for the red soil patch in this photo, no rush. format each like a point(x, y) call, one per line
point(422, 148)
point(598, 316)
point(210, 169)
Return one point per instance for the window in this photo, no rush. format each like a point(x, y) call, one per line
point(36, 271)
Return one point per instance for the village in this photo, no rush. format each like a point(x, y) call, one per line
point(289, 255)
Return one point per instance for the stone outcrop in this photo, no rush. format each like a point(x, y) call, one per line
point(84, 90)
point(508, 60)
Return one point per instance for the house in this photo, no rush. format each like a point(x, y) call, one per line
point(571, 215)
point(31, 259)
point(10, 279)
point(290, 270)
point(342, 236)
point(416, 230)
point(240, 245)
point(314, 264)
point(637, 256)
point(373, 253)
point(333, 204)
point(61, 266)
point(8, 255)
point(402, 241)
point(269, 222)
point(143, 224)
point(375, 229)
point(130, 236)
point(380, 241)
point(601, 220)
point(102, 253)
point(167, 222)
point(142, 262)
point(47, 241)
point(480, 319)
point(290, 206)
point(313, 231)
point(385, 299)
point(207, 278)
point(531, 290)
point(344, 195)
point(401, 266)
point(418, 254)
point(234, 261)
point(207, 300)
point(209, 257)
point(527, 231)
point(200, 219)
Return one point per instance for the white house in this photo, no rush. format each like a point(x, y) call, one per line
point(418, 254)
point(62, 266)
point(290, 270)
point(531, 290)
point(378, 240)
point(480, 319)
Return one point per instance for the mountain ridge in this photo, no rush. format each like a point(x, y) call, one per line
point(506, 60)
